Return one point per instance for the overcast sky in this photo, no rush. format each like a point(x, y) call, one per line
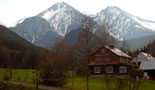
point(13, 10)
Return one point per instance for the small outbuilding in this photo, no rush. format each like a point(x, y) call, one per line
point(149, 69)
point(141, 57)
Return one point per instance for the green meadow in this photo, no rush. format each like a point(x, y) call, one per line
point(98, 83)
point(95, 83)
point(19, 75)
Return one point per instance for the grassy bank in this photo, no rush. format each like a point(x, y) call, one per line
point(10, 86)
point(98, 83)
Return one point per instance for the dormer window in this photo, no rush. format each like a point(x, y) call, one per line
point(99, 59)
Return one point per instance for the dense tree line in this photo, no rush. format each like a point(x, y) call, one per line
point(13, 58)
point(150, 48)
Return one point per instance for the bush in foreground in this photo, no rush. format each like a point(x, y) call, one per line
point(51, 76)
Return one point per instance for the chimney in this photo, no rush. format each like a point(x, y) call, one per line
point(137, 61)
point(111, 46)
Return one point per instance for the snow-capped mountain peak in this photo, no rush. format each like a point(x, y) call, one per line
point(111, 10)
point(1, 23)
point(123, 25)
point(56, 8)
point(59, 5)
point(62, 17)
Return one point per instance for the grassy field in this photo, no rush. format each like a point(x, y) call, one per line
point(99, 84)
point(148, 85)
point(79, 82)
point(19, 75)
point(94, 84)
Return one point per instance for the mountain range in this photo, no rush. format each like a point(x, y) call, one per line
point(63, 21)
point(122, 25)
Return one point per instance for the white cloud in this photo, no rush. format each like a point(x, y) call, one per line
point(13, 10)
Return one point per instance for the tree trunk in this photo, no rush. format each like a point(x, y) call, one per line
point(37, 82)
point(130, 84)
point(138, 84)
point(10, 74)
point(72, 80)
point(134, 84)
point(107, 83)
point(87, 81)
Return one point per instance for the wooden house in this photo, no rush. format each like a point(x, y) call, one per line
point(109, 60)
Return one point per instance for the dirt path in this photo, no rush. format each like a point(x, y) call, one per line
point(40, 86)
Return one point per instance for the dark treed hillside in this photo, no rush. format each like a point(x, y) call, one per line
point(149, 48)
point(139, 43)
point(16, 52)
point(13, 41)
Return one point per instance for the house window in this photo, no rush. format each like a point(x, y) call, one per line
point(97, 69)
point(109, 69)
point(102, 51)
point(123, 69)
point(145, 74)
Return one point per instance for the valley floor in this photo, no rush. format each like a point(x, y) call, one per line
point(98, 83)
point(95, 83)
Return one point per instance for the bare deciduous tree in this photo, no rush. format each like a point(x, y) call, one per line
point(86, 42)
point(89, 39)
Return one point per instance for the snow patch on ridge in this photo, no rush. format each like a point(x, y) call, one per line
point(50, 13)
point(18, 22)
point(2, 24)
point(145, 24)
point(33, 39)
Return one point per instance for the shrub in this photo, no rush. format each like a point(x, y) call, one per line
point(51, 76)
point(136, 73)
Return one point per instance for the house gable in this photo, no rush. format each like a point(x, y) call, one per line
point(109, 55)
